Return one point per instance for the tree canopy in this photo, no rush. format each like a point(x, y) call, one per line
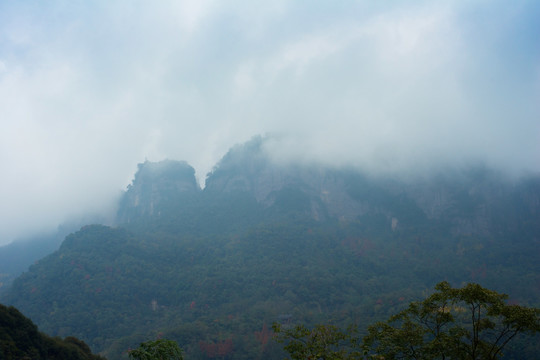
point(471, 322)
point(322, 342)
point(21, 339)
point(161, 349)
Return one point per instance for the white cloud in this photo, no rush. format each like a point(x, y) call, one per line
point(297, 56)
point(87, 90)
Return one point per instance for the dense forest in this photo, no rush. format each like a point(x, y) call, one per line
point(267, 243)
point(20, 339)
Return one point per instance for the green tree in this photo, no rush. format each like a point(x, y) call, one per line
point(161, 349)
point(471, 322)
point(322, 342)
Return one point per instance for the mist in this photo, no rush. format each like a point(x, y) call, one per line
point(90, 89)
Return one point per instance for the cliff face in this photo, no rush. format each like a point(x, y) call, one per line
point(264, 239)
point(474, 201)
point(247, 168)
point(156, 185)
point(479, 201)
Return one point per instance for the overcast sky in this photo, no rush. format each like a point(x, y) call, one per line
point(88, 89)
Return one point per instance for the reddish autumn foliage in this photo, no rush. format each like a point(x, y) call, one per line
point(264, 335)
point(214, 350)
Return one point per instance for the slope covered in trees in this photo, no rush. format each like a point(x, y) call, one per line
point(20, 339)
point(213, 268)
point(470, 322)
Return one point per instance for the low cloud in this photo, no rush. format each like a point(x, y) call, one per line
point(88, 90)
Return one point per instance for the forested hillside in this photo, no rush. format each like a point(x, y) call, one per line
point(264, 242)
point(20, 339)
point(17, 256)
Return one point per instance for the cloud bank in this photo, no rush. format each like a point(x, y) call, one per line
point(90, 89)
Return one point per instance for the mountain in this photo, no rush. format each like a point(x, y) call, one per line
point(18, 255)
point(20, 339)
point(156, 187)
point(266, 241)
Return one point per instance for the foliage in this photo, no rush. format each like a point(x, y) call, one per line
point(208, 268)
point(471, 322)
point(322, 342)
point(160, 349)
point(20, 339)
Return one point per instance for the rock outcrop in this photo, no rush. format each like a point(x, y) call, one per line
point(472, 202)
point(154, 186)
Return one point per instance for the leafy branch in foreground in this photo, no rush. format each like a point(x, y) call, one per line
point(453, 323)
point(471, 323)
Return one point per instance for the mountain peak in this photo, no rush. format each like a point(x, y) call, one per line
point(154, 185)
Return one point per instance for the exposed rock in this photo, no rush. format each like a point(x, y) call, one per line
point(153, 185)
point(475, 201)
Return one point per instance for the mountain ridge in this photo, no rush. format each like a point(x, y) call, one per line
point(262, 240)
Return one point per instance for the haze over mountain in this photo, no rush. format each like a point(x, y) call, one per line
point(88, 90)
point(268, 241)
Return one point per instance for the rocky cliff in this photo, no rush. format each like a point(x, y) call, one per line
point(471, 201)
point(155, 186)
